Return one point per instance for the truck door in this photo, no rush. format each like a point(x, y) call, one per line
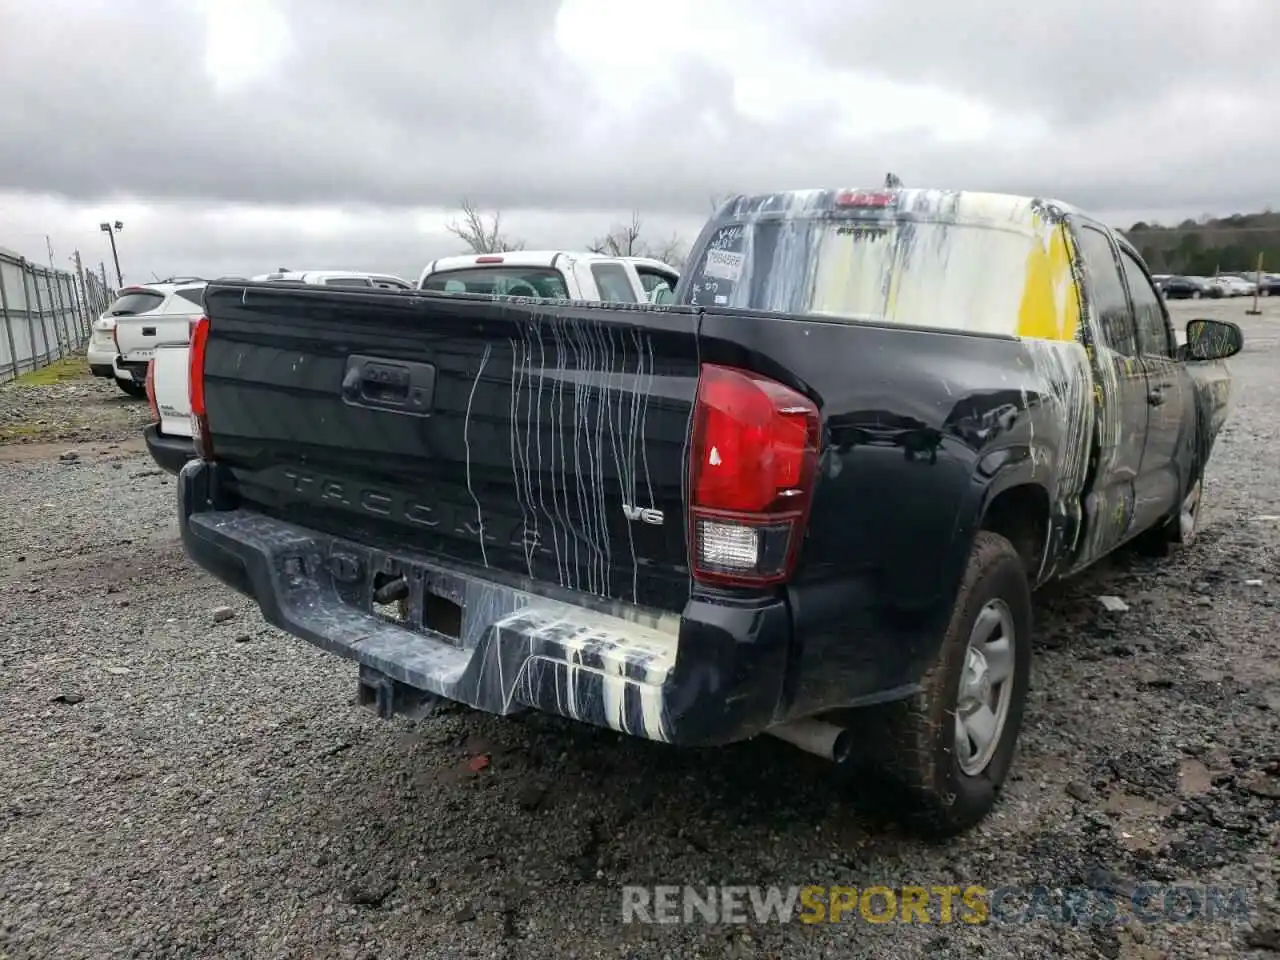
point(1169, 400)
point(1120, 395)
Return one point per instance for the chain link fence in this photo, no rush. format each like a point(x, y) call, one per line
point(45, 315)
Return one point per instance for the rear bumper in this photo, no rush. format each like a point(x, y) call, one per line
point(135, 370)
point(713, 675)
point(169, 452)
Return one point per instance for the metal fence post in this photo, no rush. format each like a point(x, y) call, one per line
point(53, 312)
point(8, 327)
point(31, 319)
point(73, 282)
point(44, 327)
point(63, 312)
point(82, 298)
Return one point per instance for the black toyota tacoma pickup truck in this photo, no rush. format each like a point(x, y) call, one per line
point(827, 478)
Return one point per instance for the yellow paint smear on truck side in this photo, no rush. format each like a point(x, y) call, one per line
point(1050, 308)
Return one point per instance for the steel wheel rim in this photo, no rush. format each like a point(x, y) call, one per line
point(1189, 515)
point(986, 687)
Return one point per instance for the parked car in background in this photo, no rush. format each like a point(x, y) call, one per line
point(1270, 286)
point(1239, 286)
point(1182, 288)
point(339, 278)
point(1212, 288)
point(1236, 286)
point(101, 351)
point(145, 316)
point(554, 275)
point(788, 498)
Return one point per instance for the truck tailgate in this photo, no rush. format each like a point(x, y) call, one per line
point(170, 382)
point(544, 443)
point(137, 337)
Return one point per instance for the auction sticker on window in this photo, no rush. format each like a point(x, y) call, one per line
point(724, 264)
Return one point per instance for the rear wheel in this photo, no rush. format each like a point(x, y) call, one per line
point(132, 389)
point(948, 749)
point(1181, 528)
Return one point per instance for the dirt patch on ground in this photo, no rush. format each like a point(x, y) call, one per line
point(27, 452)
point(64, 403)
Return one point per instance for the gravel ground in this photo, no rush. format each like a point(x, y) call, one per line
point(64, 403)
point(179, 784)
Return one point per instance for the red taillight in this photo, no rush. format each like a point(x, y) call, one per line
point(753, 464)
point(195, 389)
point(488, 259)
point(865, 198)
point(151, 391)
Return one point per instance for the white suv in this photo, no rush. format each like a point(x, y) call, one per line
point(146, 316)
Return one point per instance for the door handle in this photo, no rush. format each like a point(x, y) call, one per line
point(1156, 396)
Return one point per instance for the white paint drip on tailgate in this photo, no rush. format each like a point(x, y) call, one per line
point(466, 440)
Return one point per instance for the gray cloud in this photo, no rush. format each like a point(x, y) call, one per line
point(211, 239)
point(1079, 63)
point(415, 104)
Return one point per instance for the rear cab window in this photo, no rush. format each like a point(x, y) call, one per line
point(966, 265)
point(130, 303)
point(347, 282)
point(510, 281)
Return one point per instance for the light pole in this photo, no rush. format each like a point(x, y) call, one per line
point(111, 229)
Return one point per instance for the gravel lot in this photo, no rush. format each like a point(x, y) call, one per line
point(176, 784)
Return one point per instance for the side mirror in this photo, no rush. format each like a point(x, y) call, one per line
point(1212, 340)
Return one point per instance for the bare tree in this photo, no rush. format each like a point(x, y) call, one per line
point(482, 232)
point(621, 241)
point(626, 240)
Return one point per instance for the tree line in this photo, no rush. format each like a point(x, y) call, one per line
point(482, 231)
point(1209, 245)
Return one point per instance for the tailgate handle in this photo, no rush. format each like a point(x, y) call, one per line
point(389, 384)
point(148, 331)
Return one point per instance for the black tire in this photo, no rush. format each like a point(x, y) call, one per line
point(915, 739)
point(1180, 529)
point(137, 390)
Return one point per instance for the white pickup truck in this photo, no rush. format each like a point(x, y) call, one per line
point(555, 275)
point(552, 274)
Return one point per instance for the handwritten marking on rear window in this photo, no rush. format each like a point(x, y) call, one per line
point(727, 237)
point(724, 264)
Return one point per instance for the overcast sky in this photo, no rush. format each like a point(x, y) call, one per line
point(237, 136)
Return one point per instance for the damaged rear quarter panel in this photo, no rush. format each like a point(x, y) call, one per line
point(922, 430)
